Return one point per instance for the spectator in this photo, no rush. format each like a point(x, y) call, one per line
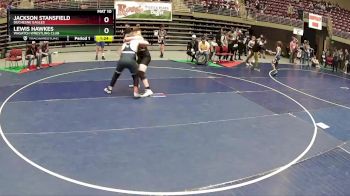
point(162, 35)
point(245, 42)
point(213, 44)
point(235, 44)
point(262, 8)
point(231, 41)
point(329, 58)
point(192, 47)
point(306, 51)
point(346, 61)
point(335, 60)
point(224, 40)
point(257, 4)
point(293, 46)
point(262, 42)
point(290, 11)
point(100, 48)
point(32, 52)
point(311, 6)
point(341, 58)
point(313, 59)
point(248, 8)
point(45, 52)
point(324, 53)
point(204, 49)
point(241, 45)
point(301, 11)
point(218, 38)
point(315, 62)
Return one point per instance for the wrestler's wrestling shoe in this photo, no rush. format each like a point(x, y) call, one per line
point(137, 95)
point(148, 93)
point(108, 90)
point(274, 73)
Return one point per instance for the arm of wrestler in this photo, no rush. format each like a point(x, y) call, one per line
point(128, 39)
point(271, 52)
point(143, 42)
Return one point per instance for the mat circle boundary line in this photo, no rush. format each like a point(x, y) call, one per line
point(307, 94)
point(109, 189)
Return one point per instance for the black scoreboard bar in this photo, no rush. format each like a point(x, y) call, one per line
point(60, 25)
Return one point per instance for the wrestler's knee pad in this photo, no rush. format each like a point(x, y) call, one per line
point(143, 68)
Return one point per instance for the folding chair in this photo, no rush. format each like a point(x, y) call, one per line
point(14, 56)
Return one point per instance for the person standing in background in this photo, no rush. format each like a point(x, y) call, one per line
point(224, 42)
point(275, 61)
point(230, 42)
point(212, 44)
point(324, 52)
point(246, 41)
point(100, 48)
point(346, 61)
point(262, 43)
point(192, 47)
point(293, 46)
point(341, 58)
point(241, 45)
point(335, 60)
point(218, 39)
point(161, 40)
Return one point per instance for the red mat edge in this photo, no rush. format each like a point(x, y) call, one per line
point(231, 63)
point(43, 66)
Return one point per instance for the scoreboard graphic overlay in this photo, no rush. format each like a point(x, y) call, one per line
point(61, 25)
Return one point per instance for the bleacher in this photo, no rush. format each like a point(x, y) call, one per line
point(340, 17)
point(276, 12)
point(230, 8)
point(179, 29)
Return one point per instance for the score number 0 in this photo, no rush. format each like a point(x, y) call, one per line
point(106, 20)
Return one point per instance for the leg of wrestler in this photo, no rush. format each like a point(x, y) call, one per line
point(115, 77)
point(133, 68)
point(250, 55)
point(135, 79)
point(256, 63)
point(142, 75)
point(274, 67)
